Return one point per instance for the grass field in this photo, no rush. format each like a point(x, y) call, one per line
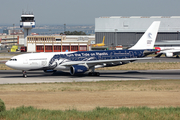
point(123, 113)
point(4, 67)
point(89, 95)
point(93, 100)
point(4, 58)
point(146, 66)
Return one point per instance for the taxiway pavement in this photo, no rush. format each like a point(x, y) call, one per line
point(14, 76)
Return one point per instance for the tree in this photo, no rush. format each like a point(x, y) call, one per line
point(74, 33)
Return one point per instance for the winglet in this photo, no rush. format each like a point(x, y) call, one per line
point(149, 37)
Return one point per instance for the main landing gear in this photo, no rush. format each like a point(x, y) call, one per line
point(24, 74)
point(92, 73)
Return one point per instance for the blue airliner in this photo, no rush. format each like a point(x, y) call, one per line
point(81, 62)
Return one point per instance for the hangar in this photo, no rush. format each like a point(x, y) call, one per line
point(126, 31)
point(58, 43)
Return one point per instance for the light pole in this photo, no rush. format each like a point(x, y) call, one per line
point(13, 34)
point(50, 32)
point(116, 37)
point(64, 28)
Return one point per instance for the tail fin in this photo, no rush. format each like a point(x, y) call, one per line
point(103, 39)
point(149, 37)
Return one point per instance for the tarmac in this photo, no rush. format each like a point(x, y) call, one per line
point(14, 76)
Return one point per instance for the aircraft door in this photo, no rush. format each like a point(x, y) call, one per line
point(43, 63)
point(25, 60)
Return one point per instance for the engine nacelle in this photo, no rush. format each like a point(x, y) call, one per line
point(169, 54)
point(78, 69)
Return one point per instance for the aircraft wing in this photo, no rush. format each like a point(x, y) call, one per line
point(97, 62)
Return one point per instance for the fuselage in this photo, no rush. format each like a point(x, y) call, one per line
point(55, 60)
point(168, 51)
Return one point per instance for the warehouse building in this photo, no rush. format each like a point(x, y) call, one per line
point(59, 43)
point(126, 31)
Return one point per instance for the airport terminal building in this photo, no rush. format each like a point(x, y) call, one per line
point(126, 31)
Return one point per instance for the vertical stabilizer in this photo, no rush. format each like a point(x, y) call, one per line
point(103, 39)
point(148, 39)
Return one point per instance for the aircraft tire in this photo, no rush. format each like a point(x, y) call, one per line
point(25, 75)
point(90, 73)
point(97, 74)
point(93, 73)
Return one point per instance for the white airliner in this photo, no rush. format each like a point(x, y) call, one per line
point(81, 62)
point(168, 51)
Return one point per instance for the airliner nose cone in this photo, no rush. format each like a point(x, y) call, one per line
point(7, 64)
point(10, 64)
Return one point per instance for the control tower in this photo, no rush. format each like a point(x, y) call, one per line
point(27, 22)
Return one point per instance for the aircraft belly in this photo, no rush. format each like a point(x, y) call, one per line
point(60, 67)
point(24, 67)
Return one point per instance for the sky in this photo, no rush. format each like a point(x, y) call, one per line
point(83, 12)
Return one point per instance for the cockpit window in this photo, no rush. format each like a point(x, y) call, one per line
point(13, 60)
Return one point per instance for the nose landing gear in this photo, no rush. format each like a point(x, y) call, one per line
point(24, 74)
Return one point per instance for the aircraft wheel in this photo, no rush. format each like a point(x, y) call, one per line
point(90, 73)
point(97, 74)
point(25, 75)
point(94, 74)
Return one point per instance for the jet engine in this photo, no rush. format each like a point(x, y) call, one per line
point(169, 54)
point(78, 69)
